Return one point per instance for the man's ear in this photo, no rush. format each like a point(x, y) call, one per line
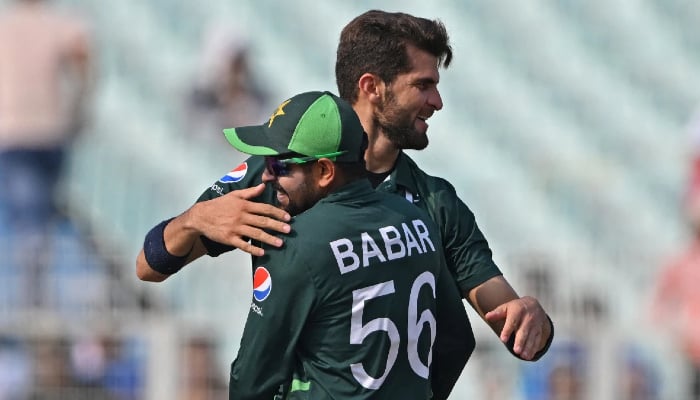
point(371, 87)
point(326, 172)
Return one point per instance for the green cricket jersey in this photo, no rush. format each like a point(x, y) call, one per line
point(351, 304)
point(466, 251)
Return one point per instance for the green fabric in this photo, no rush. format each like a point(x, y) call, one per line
point(233, 138)
point(298, 385)
point(344, 255)
point(467, 251)
point(310, 123)
point(319, 129)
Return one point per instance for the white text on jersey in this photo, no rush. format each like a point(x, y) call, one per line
point(398, 243)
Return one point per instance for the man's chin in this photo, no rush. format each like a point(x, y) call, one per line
point(414, 145)
point(421, 145)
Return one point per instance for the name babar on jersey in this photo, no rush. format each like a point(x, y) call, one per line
point(396, 242)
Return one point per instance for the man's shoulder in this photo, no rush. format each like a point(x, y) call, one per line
point(245, 175)
point(331, 219)
point(400, 204)
point(420, 177)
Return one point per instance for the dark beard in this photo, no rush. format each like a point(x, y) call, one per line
point(398, 126)
point(305, 197)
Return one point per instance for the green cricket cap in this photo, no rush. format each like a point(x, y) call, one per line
point(310, 123)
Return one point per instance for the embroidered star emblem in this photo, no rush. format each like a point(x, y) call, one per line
point(279, 111)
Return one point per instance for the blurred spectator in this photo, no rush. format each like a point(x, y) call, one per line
point(565, 383)
point(51, 368)
point(202, 378)
point(559, 376)
point(54, 372)
point(44, 80)
point(225, 91)
point(88, 359)
point(676, 298)
point(124, 368)
point(639, 378)
point(677, 301)
point(15, 369)
point(102, 362)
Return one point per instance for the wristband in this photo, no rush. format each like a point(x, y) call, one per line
point(157, 256)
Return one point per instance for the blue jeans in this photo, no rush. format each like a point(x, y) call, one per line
point(28, 183)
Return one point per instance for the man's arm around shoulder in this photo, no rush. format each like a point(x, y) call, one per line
point(521, 322)
point(231, 219)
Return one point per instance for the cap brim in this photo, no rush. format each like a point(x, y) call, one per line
point(246, 140)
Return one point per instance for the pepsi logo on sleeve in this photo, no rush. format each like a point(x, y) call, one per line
point(236, 174)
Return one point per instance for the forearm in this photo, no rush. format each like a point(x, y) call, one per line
point(181, 235)
point(180, 245)
point(520, 322)
point(488, 296)
point(145, 272)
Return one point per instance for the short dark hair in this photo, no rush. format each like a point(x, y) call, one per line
point(355, 170)
point(352, 171)
point(375, 42)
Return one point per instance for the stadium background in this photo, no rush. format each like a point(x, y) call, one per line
point(564, 130)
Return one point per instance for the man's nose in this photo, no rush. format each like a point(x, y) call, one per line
point(435, 100)
point(267, 176)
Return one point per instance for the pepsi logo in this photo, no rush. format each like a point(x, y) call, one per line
point(262, 283)
point(236, 174)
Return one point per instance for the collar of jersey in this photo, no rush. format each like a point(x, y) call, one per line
point(402, 176)
point(356, 189)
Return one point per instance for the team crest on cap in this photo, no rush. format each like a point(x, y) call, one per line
point(262, 283)
point(236, 174)
point(279, 111)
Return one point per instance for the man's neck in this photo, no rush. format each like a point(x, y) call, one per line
point(381, 153)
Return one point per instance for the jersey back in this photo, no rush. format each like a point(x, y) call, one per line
point(350, 303)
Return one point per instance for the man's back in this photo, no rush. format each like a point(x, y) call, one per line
point(352, 298)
